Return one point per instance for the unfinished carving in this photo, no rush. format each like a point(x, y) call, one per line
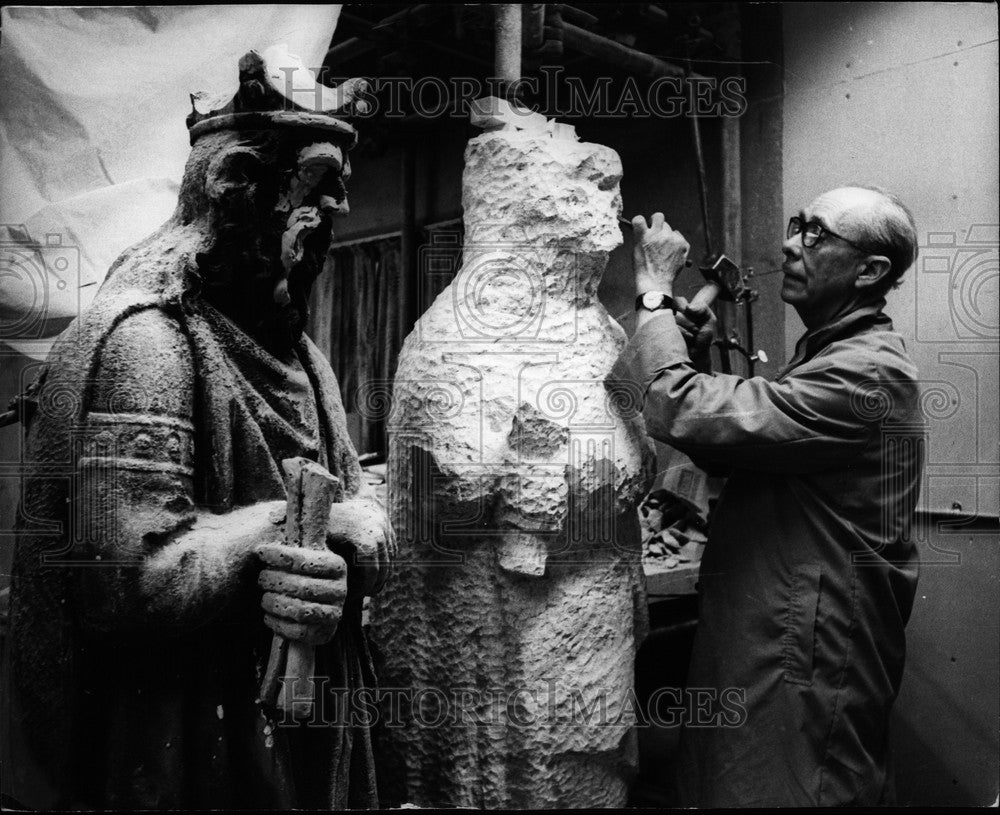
point(513, 484)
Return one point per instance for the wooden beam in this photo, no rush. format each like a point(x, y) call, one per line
point(507, 44)
point(621, 56)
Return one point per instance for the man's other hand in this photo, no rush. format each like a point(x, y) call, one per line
point(304, 591)
point(697, 325)
point(658, 254)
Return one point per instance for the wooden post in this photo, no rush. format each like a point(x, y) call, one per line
point(507, 45)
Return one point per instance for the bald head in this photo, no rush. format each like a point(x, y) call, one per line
point(878, 221)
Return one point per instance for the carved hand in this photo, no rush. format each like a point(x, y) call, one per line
point(304, 591)
point(658, 254)
point(360, 532)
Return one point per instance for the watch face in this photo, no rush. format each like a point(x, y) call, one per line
point(652, 299)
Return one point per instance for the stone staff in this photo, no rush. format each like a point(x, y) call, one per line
point(289, 681)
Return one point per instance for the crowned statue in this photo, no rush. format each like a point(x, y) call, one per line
point(155, 567)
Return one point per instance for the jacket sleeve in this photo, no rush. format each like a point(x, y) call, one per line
point(150, 557)
point(811, 420)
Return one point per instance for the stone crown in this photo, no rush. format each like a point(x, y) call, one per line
point(277, 90)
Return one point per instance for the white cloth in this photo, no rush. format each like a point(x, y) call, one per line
point(93, 140)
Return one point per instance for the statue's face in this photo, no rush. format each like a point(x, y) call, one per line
point(312, 195)
point(273, 200)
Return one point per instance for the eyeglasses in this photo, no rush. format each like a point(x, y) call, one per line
point(813, 232)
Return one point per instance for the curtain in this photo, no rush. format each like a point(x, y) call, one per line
point(438, 260)
point(357, 318)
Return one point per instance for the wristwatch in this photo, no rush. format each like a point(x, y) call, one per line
point(654, 301)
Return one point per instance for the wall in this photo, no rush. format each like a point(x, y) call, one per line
point(904, 95)
point(945, 742)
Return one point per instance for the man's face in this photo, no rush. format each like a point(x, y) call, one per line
point(819, 281)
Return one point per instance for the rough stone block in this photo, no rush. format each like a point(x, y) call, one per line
point(513, 480)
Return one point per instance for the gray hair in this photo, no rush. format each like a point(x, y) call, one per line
point(890, 230)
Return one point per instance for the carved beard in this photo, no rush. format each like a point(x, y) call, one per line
point(243, 276)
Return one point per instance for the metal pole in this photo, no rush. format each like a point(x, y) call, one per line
point(751, 352)
point(732, 190)
point(732, 229)
point(699, 158)
point(409, 273)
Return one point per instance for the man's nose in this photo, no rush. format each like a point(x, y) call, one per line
point(792, 247)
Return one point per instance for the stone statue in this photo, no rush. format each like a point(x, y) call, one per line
point(514, 480)
point(150, 574)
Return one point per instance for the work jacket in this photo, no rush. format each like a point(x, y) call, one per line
point(809, 574)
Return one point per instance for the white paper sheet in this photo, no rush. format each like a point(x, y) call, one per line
point(93, 141)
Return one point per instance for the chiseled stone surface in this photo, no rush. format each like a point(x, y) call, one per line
point(517, 605)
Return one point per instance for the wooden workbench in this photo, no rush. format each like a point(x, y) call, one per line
point(682, 579)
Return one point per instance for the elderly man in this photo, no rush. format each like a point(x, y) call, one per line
point(150, 573)
point(809, 575)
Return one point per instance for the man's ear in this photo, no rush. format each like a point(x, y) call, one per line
point(871, 271)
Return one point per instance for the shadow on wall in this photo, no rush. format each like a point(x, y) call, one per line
point(923, 777)
point(945, 736)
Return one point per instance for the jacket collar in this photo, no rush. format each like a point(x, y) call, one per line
point(855, 322)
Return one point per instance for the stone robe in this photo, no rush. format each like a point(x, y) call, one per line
point(151, 405)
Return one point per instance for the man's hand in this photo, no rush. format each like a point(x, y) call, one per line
point(304, 591)
point(658, 254)
point(697, 325)
point(359, 531)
